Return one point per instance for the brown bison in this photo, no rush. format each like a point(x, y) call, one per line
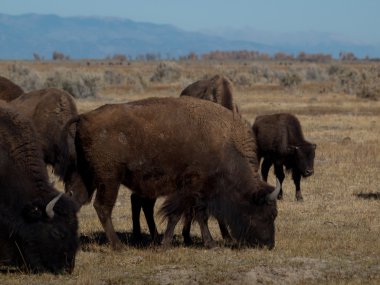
point(9, 90)
point(280, 141)
point(38, 226)
point(196, 153)
point(49, 110)
point(217, 89)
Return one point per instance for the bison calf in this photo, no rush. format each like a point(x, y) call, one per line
point(280, 142)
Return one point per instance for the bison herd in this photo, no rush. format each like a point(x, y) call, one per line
point(203, 158)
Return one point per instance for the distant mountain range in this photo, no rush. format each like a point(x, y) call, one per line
point(96, 37)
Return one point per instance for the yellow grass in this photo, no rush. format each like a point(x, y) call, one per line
point(332, 237)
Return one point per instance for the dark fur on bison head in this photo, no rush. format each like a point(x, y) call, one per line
point(32, 238)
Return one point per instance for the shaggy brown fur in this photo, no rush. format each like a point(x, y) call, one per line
point(196, 153)
point(217, 89)
point(9, 90)
point(280, 141)
point(50, 109)
point(29, 237)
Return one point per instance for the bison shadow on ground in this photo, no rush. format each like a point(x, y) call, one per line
point(87, 240)
point(369, 196)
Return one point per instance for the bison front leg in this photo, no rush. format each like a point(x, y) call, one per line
point(188, 218)
point(224, 231)
point(104, 202)
point(297, 182)
point(265, 169)
point(169, 232)
point(148, 207)
point(202, 219)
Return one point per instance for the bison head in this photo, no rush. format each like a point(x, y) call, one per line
point(255, 213)
point(47, 242)
point(303, 156)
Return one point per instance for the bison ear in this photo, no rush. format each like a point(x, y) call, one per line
point(259, 197)
point(32, 212)
point(314, 145)
point(267, 193)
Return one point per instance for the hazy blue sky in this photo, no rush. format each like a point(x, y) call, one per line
point(357, 20)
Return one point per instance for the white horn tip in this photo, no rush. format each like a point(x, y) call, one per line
point(51, 204)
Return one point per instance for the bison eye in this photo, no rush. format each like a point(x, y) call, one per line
point(32, 213)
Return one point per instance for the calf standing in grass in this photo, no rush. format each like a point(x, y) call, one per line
point(280, 142)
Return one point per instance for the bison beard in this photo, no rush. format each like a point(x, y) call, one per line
point(38, 227)
point(194, 152)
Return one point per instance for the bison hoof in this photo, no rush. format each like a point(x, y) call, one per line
point(166, 243)
point(210, 244)
point(188, 241)
point(157, 240)
point(117, 246)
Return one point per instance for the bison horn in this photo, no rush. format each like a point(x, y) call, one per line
point(50, 206)
point(273, 196)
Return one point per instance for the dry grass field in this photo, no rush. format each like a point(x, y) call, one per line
point(333, 237)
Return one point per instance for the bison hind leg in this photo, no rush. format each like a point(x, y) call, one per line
point(279, 172)
point(202, 218)
point(104, 202)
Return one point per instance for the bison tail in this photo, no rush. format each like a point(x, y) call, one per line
point(176, 205)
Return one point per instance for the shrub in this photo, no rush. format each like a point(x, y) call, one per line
point(113, 78)
point(166, 72)
point(243, 79)
point(59, 56)
point(315, 73)
point(261, 73)
point(369, 92)
point(27, 79)
point(290, 79)
point(78, 85)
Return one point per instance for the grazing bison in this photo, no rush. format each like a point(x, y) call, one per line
point(38, 226)
point(49, 110)
point(280, 141)
point(196, 153)
point(217, 89)
point(9, 90)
